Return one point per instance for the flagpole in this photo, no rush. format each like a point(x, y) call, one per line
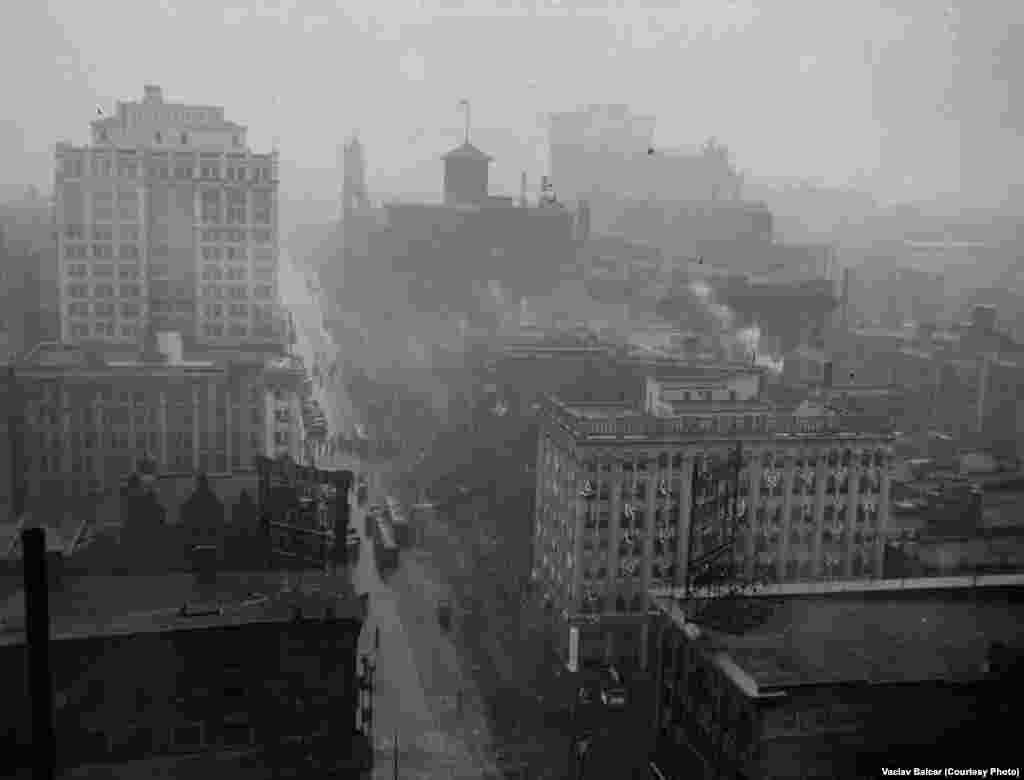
point(464, 104)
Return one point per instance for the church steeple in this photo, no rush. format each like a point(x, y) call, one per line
point(353, 191)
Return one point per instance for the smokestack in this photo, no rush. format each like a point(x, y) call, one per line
point(522, 190)
point(37, 629)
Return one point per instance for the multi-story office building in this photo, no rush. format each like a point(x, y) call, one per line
point(89, 421)
point(615, 497)
point(167, 217)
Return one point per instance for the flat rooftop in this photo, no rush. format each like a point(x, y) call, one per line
point(867, 638)
point(708, 419)
point(110, 604)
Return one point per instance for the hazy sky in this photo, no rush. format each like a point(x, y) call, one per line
point(904, 99)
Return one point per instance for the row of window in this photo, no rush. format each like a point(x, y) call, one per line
point(178, 414)
point(213, 311)
point(72, 167)
point(104, 270)
point(101, 232)
point(216, 330)
point(53, 462)
point(257, 235)
point(81, 330)
point(593, 491)
point(227, 253)
point(262, 291)
point(126, 251)
point(235, 215)
point(170, 307)
point(81, 309)
point(128, 215)
point(663, 461)
point(593, 603)
point(231, 273)
point(49, 393)
point(104, 291)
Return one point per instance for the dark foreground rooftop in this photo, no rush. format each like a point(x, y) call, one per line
point(112, 604)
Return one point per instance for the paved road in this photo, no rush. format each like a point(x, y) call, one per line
point(417, 679)
point(314, 343)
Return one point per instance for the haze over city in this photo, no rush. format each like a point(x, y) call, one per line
point(906, 101)
point(505, 390)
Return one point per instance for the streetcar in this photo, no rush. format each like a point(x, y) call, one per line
point(384, 546)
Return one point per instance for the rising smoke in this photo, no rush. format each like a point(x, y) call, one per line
point(738, 343)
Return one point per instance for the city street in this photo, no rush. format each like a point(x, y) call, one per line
point(417, 681)
point(315, 344)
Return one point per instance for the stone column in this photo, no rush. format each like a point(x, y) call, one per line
point(101, 448)
point(882, 529)
point(232, 401)
point(269, 422)
point(197, 256)
point(578, 519)
point(64, 412)
point(196, 408)
point(212, 425)
point(819, 508)
point(647, 543)
point(131, 429)
point(614, 526)
point(685, 504)
point(788, 475)
point(852, 500)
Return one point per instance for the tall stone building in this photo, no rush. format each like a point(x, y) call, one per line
point(167, 218)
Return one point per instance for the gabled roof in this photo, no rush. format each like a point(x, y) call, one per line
point(467, 151)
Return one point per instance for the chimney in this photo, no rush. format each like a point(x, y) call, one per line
point(522, 190)
point(153, 94)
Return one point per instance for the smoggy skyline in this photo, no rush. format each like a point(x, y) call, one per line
point(906, 100)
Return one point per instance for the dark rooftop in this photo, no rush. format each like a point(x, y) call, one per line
point(95, 604)
point(884, 638)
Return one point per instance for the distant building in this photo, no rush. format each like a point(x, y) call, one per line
point(28, 276)
point(837, 686)
point(606, 149)
point(615, 497)
point(232, 673)
point(89, 421)
point(168, 218)
point(457, 249)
